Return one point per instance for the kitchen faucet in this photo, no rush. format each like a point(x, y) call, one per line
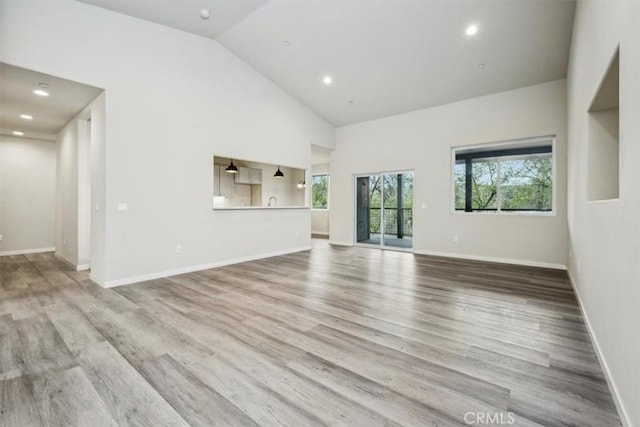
point(274, 199)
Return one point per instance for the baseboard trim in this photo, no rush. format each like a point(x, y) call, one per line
point(493, 259)
point(80, 267)
point(337, 243)
point(191, 269)
point(622, 413)
point(27, 251)
point(83, 267)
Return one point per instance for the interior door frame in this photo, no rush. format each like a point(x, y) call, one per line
point(354, 199)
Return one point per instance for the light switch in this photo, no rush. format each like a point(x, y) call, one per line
point(123, 207)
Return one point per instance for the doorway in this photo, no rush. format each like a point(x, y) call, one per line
point(384, 210)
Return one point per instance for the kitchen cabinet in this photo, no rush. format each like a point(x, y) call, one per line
point(223, 184)
point(249, 176)
point(255, 176)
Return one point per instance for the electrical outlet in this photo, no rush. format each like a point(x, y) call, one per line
point(455, 238)
point(178, 249)
point(64, 240)
point(1, 237)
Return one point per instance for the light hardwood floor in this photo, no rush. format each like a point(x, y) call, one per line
point(339, 336)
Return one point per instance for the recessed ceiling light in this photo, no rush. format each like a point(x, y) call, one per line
point(18, 133)
point(41, 92)
point(480, 66)
point(472, 30)
point(205, 14)
point(327, 80)
point(26, 117)
point(43, 85)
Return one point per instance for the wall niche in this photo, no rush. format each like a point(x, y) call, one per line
point(603, 135)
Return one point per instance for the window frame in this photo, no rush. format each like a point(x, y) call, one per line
point(515, 145)
point(328, 192)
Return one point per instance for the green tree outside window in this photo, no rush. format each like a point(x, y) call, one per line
point(320, 192)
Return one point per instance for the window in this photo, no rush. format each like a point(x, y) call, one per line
point(509, 177)
point(320, 192)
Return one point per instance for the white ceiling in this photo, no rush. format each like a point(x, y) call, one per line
point(385, 56)
point(50, 114)
point(395, 56)
point(185, 14)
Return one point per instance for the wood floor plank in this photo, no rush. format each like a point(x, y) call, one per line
point(74, 328)
point(332, 336)
point(194, 400)
point(11, 359)
point(259, 403)
point(139, 336)
point(19, 303)
point(18, 407)
point(127, 395)
point(396, 374)
point(41, 346)
point(377, 397)
point(313, 398)
point(67, 398)
point(92, 297)
point(212, 328)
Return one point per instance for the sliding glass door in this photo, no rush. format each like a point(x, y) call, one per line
point(384, 210)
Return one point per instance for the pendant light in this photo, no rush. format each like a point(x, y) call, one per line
point(231, 168)
point(278, 173)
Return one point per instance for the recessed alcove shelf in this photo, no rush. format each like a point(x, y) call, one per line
point(603, 136)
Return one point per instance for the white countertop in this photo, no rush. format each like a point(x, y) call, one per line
point(248, 208)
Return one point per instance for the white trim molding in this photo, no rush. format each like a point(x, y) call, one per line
point(81, 267)
point(494, 259)
point(622, 413)
point(27, 251)
point(337, 243)
point(191, 269)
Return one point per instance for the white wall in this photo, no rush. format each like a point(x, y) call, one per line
point(27, 194)
point(173, 100)
point(604, 152)
point(80, 145)
point(67, 197)
point(605, 235)
point(320, 217)
point(422, 141)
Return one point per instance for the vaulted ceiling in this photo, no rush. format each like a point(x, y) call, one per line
point(385, 57)
point(185, 14)
point(392, 56)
